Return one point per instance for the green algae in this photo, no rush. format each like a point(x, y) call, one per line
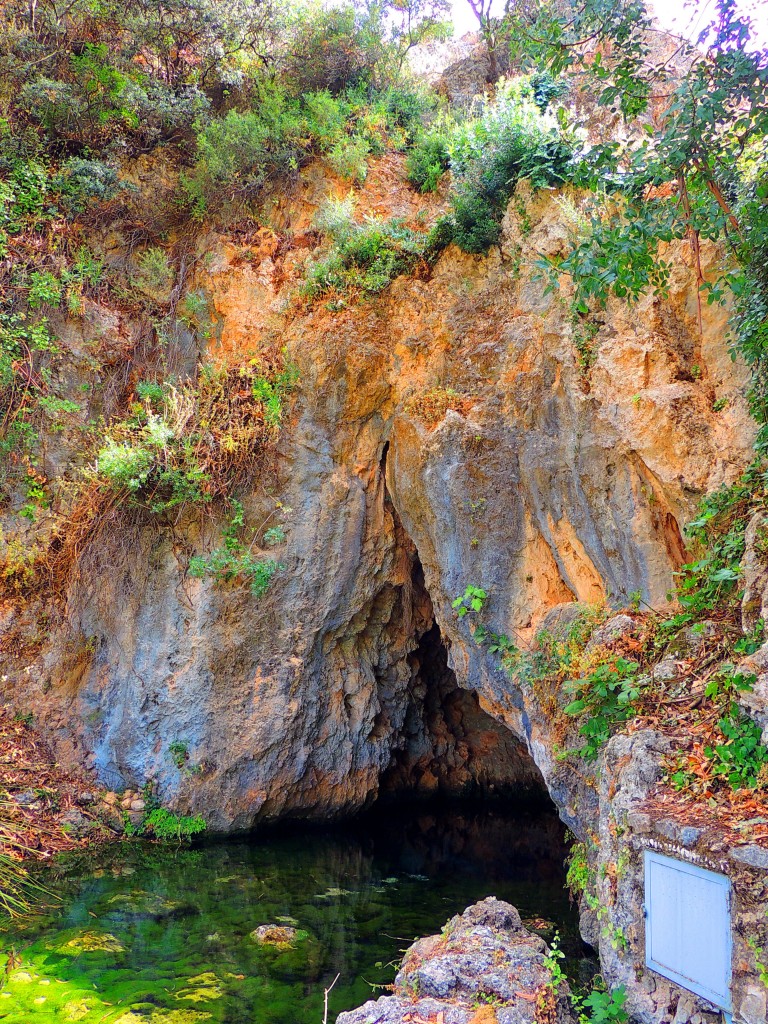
point(146, 935)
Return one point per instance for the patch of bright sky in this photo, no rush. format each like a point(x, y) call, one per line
point(680, 16)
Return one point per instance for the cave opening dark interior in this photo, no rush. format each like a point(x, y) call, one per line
point(449, 746)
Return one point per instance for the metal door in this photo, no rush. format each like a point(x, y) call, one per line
point(688, 926)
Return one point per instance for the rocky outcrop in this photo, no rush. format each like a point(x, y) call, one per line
point(445, 434)
point(484, 968)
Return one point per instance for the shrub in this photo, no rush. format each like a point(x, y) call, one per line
point(273, 536)
point(334, 48)
point(23, 196)
point(606, 695)
point(241, 156)
point(408, 106)
point(44, 289)
point(366, 259)
point(81, 182)
point(96, 98)
point(195, 443)
point(348, 159)
point(427, 161)
point(154, 270)
point(233, 561)
point(334, 217)
point(169, 827)
point(326, 117)
point(511, 139)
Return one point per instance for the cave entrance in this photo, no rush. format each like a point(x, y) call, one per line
point(449, 746)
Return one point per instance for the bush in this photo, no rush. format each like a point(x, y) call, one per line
point(233, 561)
point(169, 827)
point(366, 259)
point(408, 106)
point(606, 695)
point(511, 139)
point(240, 157)
point(427, 161)
point(348, 159)
point(193, 444)
point(326, 118)
point(334, 48)
point(154, 272)
point(334, 217)
point(80, 182)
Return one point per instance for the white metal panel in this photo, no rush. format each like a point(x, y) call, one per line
point(688, 926)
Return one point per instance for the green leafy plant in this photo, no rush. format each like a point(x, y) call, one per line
point(44, 289)
point(606, 1007)
point(366, 258)
point(233, 561)
point(273, 536)
point(579, 877)
point(510, 140)
point(740, 758)
point(606, 696)
point(428, 160)
point(348, 158)
point(472, 600)
point(168, 827)
point(154, 271)
point(179, 751)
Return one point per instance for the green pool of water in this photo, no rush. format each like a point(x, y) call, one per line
point(150, 935)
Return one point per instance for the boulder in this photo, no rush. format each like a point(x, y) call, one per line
point(484, 960)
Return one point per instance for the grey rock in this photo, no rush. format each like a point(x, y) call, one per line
point(685, 835)
point(612, 630)
point(484, 950)
point(77, 824)
point(684, 1009)
point(754, 856)
point(690, 835)
point(752, 1008)
point(28, 799)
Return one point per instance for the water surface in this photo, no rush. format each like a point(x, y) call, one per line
point(151, 935)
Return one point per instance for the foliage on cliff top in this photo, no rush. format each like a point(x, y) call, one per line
point(513, 136)
point(365, 258)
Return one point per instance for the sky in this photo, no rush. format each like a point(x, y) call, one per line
point(675, 15)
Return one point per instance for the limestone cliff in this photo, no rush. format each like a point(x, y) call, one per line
point(444, 434)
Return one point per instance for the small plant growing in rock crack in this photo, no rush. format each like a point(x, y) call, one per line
point(760, 964)
point(179, 751)
point(273, 536)
point(472, 600)
point(234, 561)
point(579, 877)
point(553, 963)
point(605, 1007)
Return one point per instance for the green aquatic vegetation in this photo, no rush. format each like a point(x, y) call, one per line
point(184, 916)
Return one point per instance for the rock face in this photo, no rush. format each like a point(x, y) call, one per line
point(466, 427)
point(445, 434)
point(485, 968)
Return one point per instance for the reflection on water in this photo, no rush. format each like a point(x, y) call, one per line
point(147, 935)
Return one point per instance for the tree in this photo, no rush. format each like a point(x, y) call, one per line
point(417, 21)
point(688, 163)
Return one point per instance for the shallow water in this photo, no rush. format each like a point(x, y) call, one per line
point(147, 935)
